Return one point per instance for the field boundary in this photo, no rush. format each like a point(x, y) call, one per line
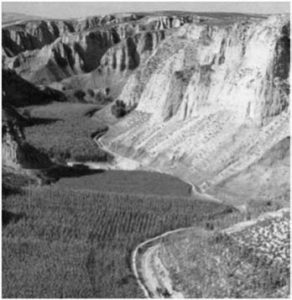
point(194, 192)
point(140, 247)
point(245, 224)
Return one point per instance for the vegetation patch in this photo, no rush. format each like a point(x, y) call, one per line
point(69, 135)
point(78, 244)
point(129, 182)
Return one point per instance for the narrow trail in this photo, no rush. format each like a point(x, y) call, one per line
point(129, 164)
point(152, 281)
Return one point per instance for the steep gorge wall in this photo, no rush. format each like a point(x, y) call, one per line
point(66, 56)
point(212, 100)
point(34, 34)
point(239, 61)
point(82, 46)
point(16, 152)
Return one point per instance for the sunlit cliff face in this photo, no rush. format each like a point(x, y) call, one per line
point(222, 66)
point(212, 92)
point(212, 99)
point(48, 51)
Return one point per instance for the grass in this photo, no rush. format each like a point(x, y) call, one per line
point(66, 132)
point(13, 183)
point(71, 244)
point(129, 182)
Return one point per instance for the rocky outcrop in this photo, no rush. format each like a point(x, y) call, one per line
point(101, 51)
point(18, 92)
point(212, 100)
point(66, 56)
point(16, 152)
point(47, 51)
point(34, 34)
point(226, 61)
point(128, 54)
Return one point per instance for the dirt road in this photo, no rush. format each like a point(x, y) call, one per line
point(153, 278)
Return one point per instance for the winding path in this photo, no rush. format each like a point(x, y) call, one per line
point(130, 164)
point(144, 275)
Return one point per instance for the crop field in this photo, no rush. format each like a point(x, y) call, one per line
point(129, 182)
point(77, 244)
point(63, 130)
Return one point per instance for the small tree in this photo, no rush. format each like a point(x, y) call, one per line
point(107, 91)
point(90, 92)
point(79, 94)
point(26, 113)
point(119, 109)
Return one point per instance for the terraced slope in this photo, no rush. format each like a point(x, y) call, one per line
point(213, 100)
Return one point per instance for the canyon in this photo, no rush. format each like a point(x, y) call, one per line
point(203, 97)
point(212, 105)
point(208, 94)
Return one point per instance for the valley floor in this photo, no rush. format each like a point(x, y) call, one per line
point(85, 235)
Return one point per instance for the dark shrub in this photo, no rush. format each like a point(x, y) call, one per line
point(90, 92)
point(79, 94)
point(26, 113)
point(119, 109)
point(102, 98)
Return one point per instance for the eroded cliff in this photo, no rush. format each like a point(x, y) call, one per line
point(212, 100)
point(212, 91)
point(49, 50)
point(17, 154)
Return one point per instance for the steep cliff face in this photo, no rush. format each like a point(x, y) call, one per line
point(132, 50)
point(212, 100)
point(110, 59)
point(47, 51)
point(16, 152)
point(66, 56)
point(18, 92)
point(34, 34)
point(222, 63)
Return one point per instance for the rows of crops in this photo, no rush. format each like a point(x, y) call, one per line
point(63, 130)
point(78, 244)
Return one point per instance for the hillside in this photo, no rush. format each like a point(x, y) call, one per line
point(250, 259)
point(134, 145)
point(212, 101)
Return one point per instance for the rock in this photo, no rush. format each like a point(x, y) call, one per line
point(210, 91)
point(212, 100)
point(16, 152)
point(47, 51)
